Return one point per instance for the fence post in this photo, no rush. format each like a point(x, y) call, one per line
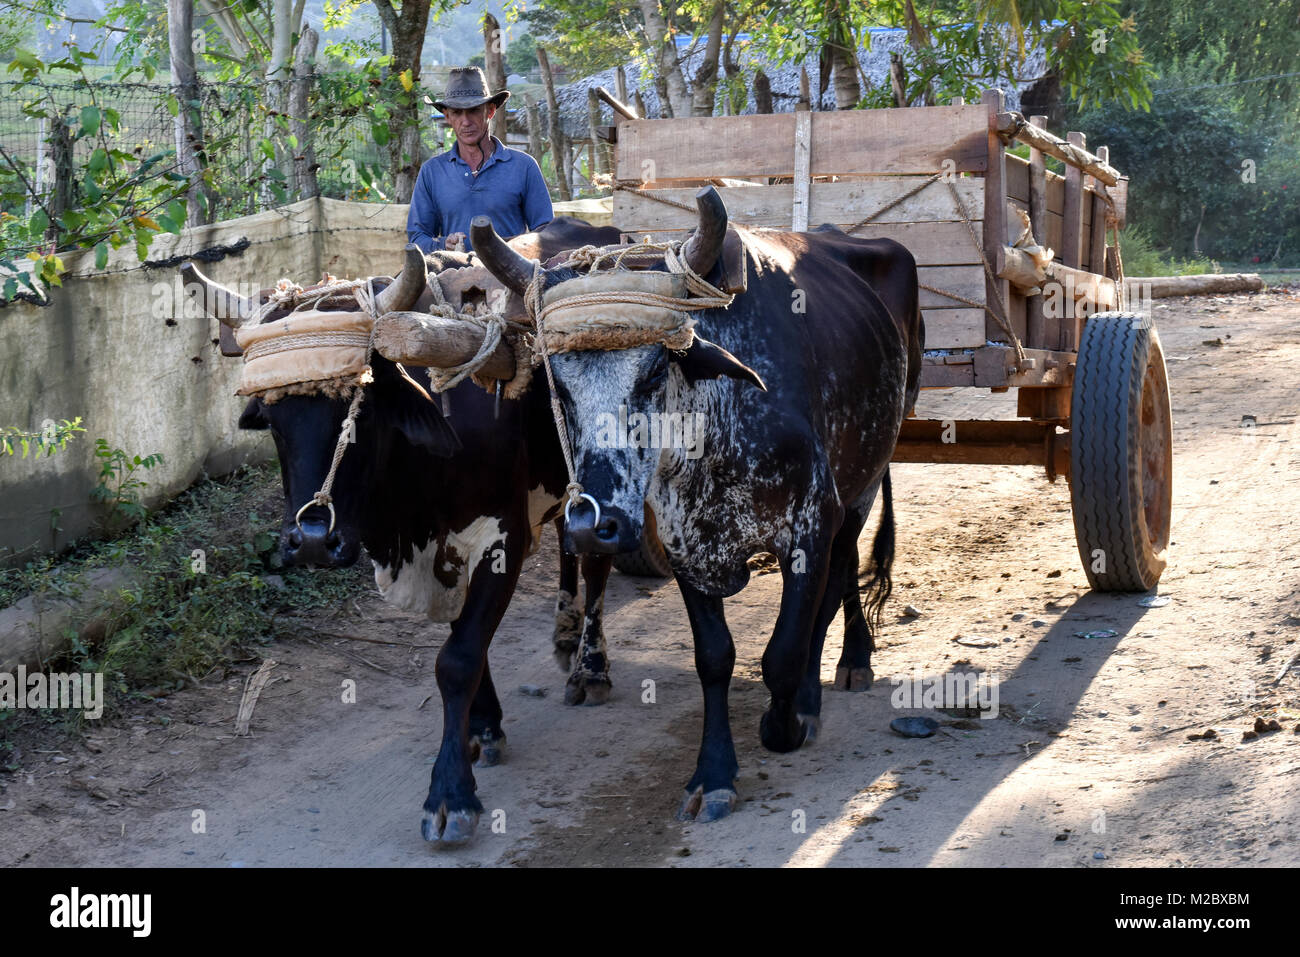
point(559, 149)
point(304, 185)
point(59, 146)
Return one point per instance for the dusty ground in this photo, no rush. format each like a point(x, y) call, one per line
point(1090, 753)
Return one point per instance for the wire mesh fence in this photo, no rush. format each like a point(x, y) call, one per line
point(351, 163)
point(234, 123)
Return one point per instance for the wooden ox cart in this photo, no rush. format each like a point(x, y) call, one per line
point(1000, 312)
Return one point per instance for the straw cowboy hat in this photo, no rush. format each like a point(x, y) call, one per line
point(467, 88)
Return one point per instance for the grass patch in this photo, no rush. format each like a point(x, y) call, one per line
point(1143, 257)
point(199, 598)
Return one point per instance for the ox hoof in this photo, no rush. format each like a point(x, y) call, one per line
point(703, 807)
point(565, 649)
point(781, 737)
point(812, 726)
point(487, 752)
point(853, 679)
point(590, 690)
point(448, 828)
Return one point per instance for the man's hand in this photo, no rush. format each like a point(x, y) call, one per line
point(456, 242)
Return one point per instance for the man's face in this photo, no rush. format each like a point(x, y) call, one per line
point(470, 126)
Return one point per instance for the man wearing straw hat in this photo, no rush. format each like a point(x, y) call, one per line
point(478, 176)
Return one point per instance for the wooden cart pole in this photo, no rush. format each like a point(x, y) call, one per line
point(1042, 332)
point(995, 214)
point(1097, 243)
point(1072, 236)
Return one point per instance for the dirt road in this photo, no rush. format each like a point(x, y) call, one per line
point(1087, 764)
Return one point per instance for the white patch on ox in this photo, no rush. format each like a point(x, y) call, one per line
point(421, 586)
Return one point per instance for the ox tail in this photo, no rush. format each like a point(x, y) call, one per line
point(880, 584)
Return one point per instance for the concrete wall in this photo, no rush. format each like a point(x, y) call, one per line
point(121, 348)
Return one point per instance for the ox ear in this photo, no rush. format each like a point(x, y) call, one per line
point(704, 360)
point(254, 414)
point(410, 410)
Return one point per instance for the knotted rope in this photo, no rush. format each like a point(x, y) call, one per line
point(365, 296)
point(301, 303)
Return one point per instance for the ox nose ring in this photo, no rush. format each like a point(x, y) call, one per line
point(594, 504)
point(297, 519)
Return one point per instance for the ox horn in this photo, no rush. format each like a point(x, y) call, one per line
point(220, 303)
point(512, 269)
point(409, 285)
point(704, 247)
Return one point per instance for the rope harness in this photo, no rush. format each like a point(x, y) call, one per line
point(316, 351)
point(647, 308)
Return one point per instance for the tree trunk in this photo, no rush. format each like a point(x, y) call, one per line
point(188, 125)
point(918, 39)
point(843, 57)
point(494, 43)
point(559, 151)
point(279, 70)
point(706, 77)
point(304, 156)
point(404, 145)
point(664, 52)
point(898, 79)
point(762, 92)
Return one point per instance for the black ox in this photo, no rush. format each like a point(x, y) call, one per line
point(447, 509)
point(796, 442)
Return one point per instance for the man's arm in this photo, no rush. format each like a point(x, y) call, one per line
point(538, 210)
point(422, 219)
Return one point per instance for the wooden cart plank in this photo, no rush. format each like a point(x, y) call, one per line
point(937, 375)
point(966, 281)
point(845, 204)
point(881, 141)
point(953, 328)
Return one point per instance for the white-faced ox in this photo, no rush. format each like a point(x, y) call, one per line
point(797, 440)
point(446, 507)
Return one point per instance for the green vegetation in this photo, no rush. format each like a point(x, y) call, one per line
point(200, 596)
point(1142, 257)
point(53, 438)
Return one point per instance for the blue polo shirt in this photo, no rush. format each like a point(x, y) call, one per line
point(448, 195)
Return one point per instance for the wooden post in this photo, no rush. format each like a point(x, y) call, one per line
point(1097, 245)
point(597, 156)
point(802, 169)
point(304, 156)
point(60, 196)
point(1072, 237)
point(495, 68)
point(640, 104)
point(762, 92)
point(995, 217)
point(532, 116)
point(1071, 234)
point(559, 151)
point(620, 84)
point(805, 97)
point(1041, 332)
